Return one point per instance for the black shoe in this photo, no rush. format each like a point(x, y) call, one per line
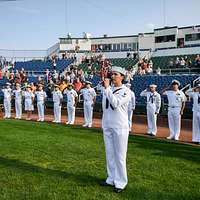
point(118, 190)
point(196, 142)
point(105, 184)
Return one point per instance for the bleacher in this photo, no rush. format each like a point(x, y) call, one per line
point(42, 65)
point(84, 66)
point(127, 63)
point(142, 82)
point(163, 61)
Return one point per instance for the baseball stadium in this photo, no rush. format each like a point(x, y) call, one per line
point(110, 110)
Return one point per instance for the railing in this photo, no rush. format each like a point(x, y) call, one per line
point(23, 55)
point(196, 80)
point(180, 71)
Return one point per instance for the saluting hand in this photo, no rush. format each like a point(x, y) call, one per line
point(106, 82)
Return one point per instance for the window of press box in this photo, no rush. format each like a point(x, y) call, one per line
point(166, 38)
point(192, 37)
point(66, 41)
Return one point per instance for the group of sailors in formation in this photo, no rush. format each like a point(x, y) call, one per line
point(176, 104)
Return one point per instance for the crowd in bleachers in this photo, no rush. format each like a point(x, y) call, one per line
point(184, 62)
point(145, 66)
point(92, 67)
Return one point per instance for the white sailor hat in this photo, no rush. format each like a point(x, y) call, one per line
point(119, 70)
point(176, 82)
point(197, 86)
point(128, 85)
point(9, 84)
point(153, 86)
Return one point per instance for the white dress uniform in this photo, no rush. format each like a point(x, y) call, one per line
point(71, 96)
point(88, 96)
point(116, 131)
point(196, 115)
point(131, 108)
point(40, 95)
point(175, 100)
point(28, 95)
point(153, 107)
point(57, 97)
point(18, 103)
point(7, 92)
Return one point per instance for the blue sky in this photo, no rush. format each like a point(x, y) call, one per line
point(37, 24)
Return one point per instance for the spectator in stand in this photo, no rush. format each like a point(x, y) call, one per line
point(77, 85)
point(18, 78)
point(197, 61)
point(177, 62)
point(12, 78)
point(171, 63)
point(72, 77)
point(63, 85)
point(158, 71)
point(1, 74)
point(33, 87)
point(141, 72)
point(7, 74)
point(182, 63)
point(128, 77)
point(55, 75)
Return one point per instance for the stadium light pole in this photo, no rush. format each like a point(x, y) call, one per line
point(66, 16)
point(164, 13)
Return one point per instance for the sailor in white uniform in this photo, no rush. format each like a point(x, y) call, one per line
point(29, 101)
point(89, 98)
point(131, 107)
point(194, 93)
point(41, 97)
point(153, 108)
point(57, 100)
point(176, 105)
point(72, 99)
point(116, 129)
point(7, 92)
point(18, 101)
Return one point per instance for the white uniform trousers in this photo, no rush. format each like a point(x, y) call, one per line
point(130, 116)
point(71, 114)
point(116, 142)
point(196, 126)
point(151, 121)
point(7, 108)
point(18, 109)
point(57, 112)
point(174, 121)
point(88, 113)
point(40, 107)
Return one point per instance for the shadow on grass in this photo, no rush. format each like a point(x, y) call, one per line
point(167, 148)
point(82, 179)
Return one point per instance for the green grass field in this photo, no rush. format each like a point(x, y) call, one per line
point(54, 162)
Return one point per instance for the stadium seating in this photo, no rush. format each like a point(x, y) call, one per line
point(84, 66)
point(124, 62)
point(127, 63)
point(163, 61)
point(42, 66)
point(142, 82)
